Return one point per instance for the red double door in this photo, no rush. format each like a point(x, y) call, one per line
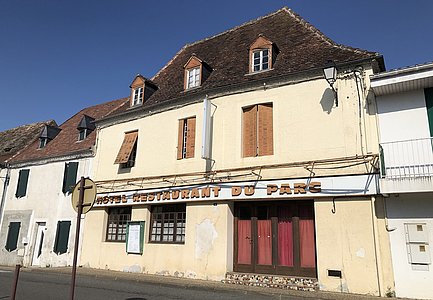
point(275, 238)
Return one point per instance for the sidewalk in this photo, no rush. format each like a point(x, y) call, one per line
point(192, 283)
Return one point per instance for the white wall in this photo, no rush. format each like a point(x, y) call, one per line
point(47, 203)
point(410, 208)
point(402, 116)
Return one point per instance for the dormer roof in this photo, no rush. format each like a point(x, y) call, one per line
point(86, 122)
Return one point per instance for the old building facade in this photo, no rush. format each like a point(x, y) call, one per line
point(239, 158)
point(39, 221)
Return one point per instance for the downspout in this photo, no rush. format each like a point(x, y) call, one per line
point(376, 248)
point(5, 187)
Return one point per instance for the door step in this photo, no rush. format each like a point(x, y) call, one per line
point(272, 281)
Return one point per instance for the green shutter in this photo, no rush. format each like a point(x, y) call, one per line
point(429, 105)
point(23, 178)
point(70, 177)
point(12, 240)
point(62, 237)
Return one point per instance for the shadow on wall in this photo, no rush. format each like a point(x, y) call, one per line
point(328, 100)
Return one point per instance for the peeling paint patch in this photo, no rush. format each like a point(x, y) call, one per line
point(191, 274)
point(360, 253)
point(132, 269)
point(205, 237)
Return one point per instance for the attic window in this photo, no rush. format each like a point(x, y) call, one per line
point(137, 96)
point(47, 134)
point(43, 141)
point(141, 89)
point(193, 77)
point(85, 127)
point(196, 72)
point(262, 55)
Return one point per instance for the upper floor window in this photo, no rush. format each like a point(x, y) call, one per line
point(262, 55)
point(257, 130)
point(70, 176)
point(186, 138)
point(141, 89)
point(193, 77)
point(128, 151)
point(196, 72)
point(23, 179)
point(43, 142)
point(85, 127)
point(48, 134)
point(138, 96)
point(260, 60)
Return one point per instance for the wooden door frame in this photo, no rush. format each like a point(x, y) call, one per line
point(296, 270)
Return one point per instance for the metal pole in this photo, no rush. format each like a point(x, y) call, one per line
point(77, 238)
point(15, 284)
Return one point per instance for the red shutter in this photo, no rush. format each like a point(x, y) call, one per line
point(265, 130)
point(190, 137)
point(249, 131)
point(126, 148)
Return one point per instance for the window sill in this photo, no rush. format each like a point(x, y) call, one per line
point(258, 72)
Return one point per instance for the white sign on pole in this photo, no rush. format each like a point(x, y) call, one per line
point(205, 148)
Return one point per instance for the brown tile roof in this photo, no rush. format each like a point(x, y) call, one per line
point(66, 142)
point(15, 139)
point(301, 47)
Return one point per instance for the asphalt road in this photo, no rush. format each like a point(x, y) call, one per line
point(46, 285)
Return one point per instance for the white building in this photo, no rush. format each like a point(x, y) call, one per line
point(405, 114)
point(38, 227)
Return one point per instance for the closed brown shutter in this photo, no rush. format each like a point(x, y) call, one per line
point(249, 131)
point(265, 130)
point(190, 137)
point(180, 139)
point(126, 148)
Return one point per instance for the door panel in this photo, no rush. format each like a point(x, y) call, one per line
point(244, 242)
point(264, 242)
point(38, 245)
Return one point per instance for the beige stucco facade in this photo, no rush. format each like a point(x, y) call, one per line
point(313, 139)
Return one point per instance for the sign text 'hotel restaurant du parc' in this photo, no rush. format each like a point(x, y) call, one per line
point(345, 185)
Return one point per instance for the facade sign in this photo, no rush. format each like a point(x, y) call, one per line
point(356, 185)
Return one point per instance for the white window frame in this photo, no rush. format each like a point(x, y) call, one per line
point(138, 96)
point(261, 58)
point(193, 77)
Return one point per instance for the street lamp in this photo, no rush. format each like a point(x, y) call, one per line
point(330, 73)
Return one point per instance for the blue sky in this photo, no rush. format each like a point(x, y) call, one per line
point(57, 57)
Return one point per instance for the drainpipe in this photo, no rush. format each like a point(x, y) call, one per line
point(5, 187)
point(376, 247)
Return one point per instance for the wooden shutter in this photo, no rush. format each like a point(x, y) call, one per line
point(70, 177)
point(12, 239)
point(180, 139)
point(62, 237)
point(190, 137)
point(429, 105)
point(22, 183)
point(265, 130)
point(249, 131)
point(126, 149)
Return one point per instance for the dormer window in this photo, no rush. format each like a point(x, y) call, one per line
point(138, 96)
point(47, 134)
point(196, 72)
point(141, 89)
point(193, 77)
point(262, 55)
point(85, 127)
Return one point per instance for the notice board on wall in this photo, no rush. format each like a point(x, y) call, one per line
point(134, 237)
